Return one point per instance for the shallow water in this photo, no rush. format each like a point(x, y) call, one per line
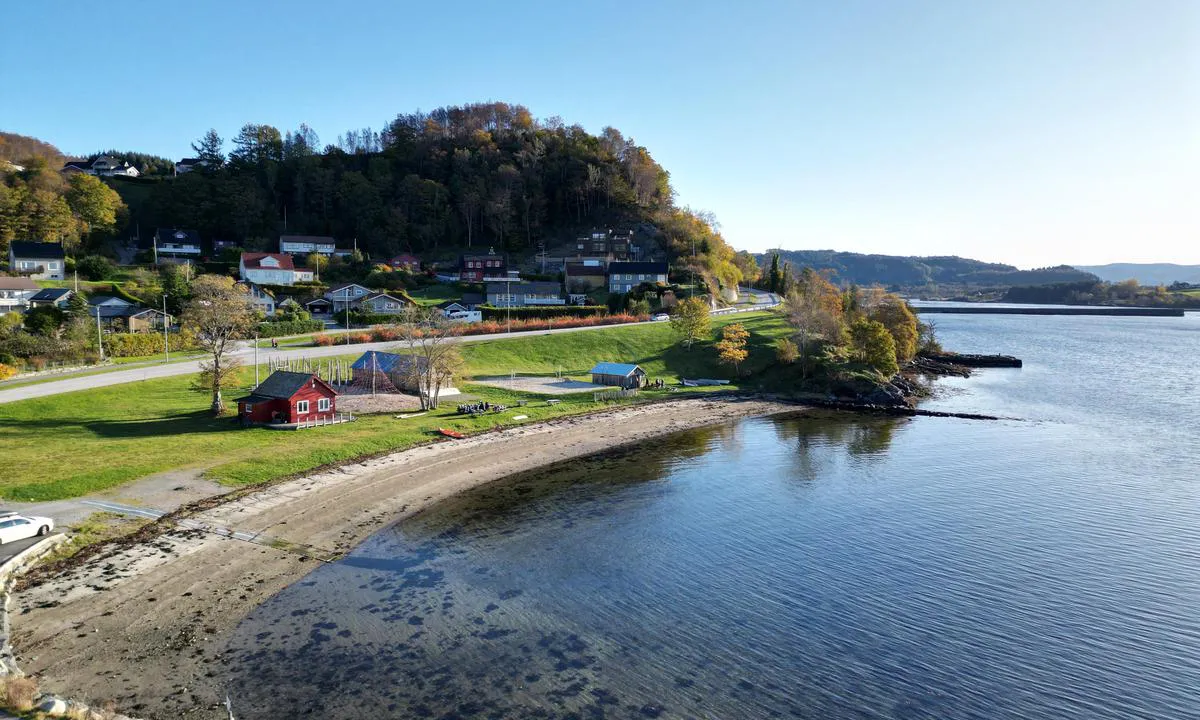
point(1046, 566)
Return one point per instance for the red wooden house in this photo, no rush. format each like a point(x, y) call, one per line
point(411, 263)
point(289, 397)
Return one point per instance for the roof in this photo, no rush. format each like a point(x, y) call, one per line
point(42, 251)
point(343, 286)
point(646, 268)
point(101, 299)
point(50, 294)
point(375, 296)
point(406, 258)
point(612, 368)
point(177, 235)
point(524, 287)
point(111, 311)
point(78, 164)
point(17, 283)
point(473, 298)
point(392, 363)
point(253, 261)
point(578, 269)
point(190, 161)
point(283, 384)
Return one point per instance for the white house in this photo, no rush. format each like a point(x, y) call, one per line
point(172, 245)
point(187, 165)
point(260, 299)
point(625, 276)
point(15, 293)
point(109, 166)
point(39, 261)
point(267, 268)
point(305, 244)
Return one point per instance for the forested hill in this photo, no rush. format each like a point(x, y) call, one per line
point(913, 272)
point(1145, 273)
point(430, 183)
point(16, 148)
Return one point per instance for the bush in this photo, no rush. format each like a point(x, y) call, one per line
point(19, 693)
point(96, 267)
point(541, 312)
point(289, 327)
point(7, 371)
point(142, 344)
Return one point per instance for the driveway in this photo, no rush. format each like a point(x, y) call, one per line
point(9, 550)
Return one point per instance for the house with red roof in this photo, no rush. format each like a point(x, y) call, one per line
point(267, 268)
point(411, 263)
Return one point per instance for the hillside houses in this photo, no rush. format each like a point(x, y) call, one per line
point(272, 269)
point(103, 166)
point(15, 293)
point(524, 294)
point(175, 245)
point(625, 276)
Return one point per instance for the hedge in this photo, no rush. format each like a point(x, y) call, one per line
point(289, 327)
point(542, 312)
point(141, 344)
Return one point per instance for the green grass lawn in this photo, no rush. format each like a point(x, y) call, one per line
point(435, 294)
point(76, 443)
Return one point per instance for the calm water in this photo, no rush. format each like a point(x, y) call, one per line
point(833, 567)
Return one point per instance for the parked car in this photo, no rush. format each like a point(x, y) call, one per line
point(661, 316)
point(18, 527)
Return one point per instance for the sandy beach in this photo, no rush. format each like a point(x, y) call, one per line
point(145, 625)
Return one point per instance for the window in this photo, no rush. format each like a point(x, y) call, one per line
point(53, 264)
point(249, 407)
point(301, 406)
point(323, 404)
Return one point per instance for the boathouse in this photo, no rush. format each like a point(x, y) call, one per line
point(289, 397)
point(618, 375)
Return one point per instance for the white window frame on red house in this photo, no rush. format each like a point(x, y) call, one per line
point(323, 404)
point(301, 407)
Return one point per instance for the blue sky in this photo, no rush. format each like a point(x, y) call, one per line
point(1026, 131)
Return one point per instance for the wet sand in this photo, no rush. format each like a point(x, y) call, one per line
point(146, 625)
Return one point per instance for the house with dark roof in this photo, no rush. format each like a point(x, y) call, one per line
point(37, 260)
point(289, 397)
point(187, 165)
point(480, 267)
point(625, 276)
point(15, 293)
point(174, 245)
point(411, 263)
point(581, 277)
point(384, 304)
point(109, 166)
point(346, 295)
point(524, 294)
point(305, 244)
point(620, 375)
point(51, 297)
point(130, 318)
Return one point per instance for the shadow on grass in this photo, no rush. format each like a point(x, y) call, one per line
point(186, 423)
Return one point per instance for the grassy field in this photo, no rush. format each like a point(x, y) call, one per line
point(435, 294)
point(76, 443)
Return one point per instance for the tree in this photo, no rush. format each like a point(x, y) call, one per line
point(430, 337)
point(731, 349)
point(317, 262)
point(893, 313)
point(218, 314)
point(691, 320)
point(96, 267)
point(814, 308)
point(210, 149)
point(748, 266)
point(44, 320)
point(774, 278)
point(786, 351)
point(872, 345)
point(94, 204)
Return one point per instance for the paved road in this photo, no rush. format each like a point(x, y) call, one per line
point(151, 372)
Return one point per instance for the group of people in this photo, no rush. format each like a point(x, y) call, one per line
point(657, 384)
point(480, 407)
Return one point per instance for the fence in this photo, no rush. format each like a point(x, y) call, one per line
point(615, 394)
point(334, 419)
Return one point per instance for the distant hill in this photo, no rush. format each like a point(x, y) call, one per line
point(19, 148)
point(1145, 273)
point(912, 272)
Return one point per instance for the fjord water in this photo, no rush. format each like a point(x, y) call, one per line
point(1046, 566)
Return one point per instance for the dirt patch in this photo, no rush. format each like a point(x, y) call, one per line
point(545, 385)
point(381, 403)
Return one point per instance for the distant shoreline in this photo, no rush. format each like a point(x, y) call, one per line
point(985, 309)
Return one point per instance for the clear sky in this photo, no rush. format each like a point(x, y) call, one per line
point(1032, 132)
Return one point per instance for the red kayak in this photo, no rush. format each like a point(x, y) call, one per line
point(451, 433)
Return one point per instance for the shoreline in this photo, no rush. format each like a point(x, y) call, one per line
point(144, 623)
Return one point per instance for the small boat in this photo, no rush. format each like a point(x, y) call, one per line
point(451, 433)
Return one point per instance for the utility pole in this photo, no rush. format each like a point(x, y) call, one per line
point(99, 336)
point(166, 343)
point(256, 357)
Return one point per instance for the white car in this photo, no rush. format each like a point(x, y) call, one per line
point(18, 527)
point(660, 317)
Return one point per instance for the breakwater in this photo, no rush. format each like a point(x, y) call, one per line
point(1052, 310)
